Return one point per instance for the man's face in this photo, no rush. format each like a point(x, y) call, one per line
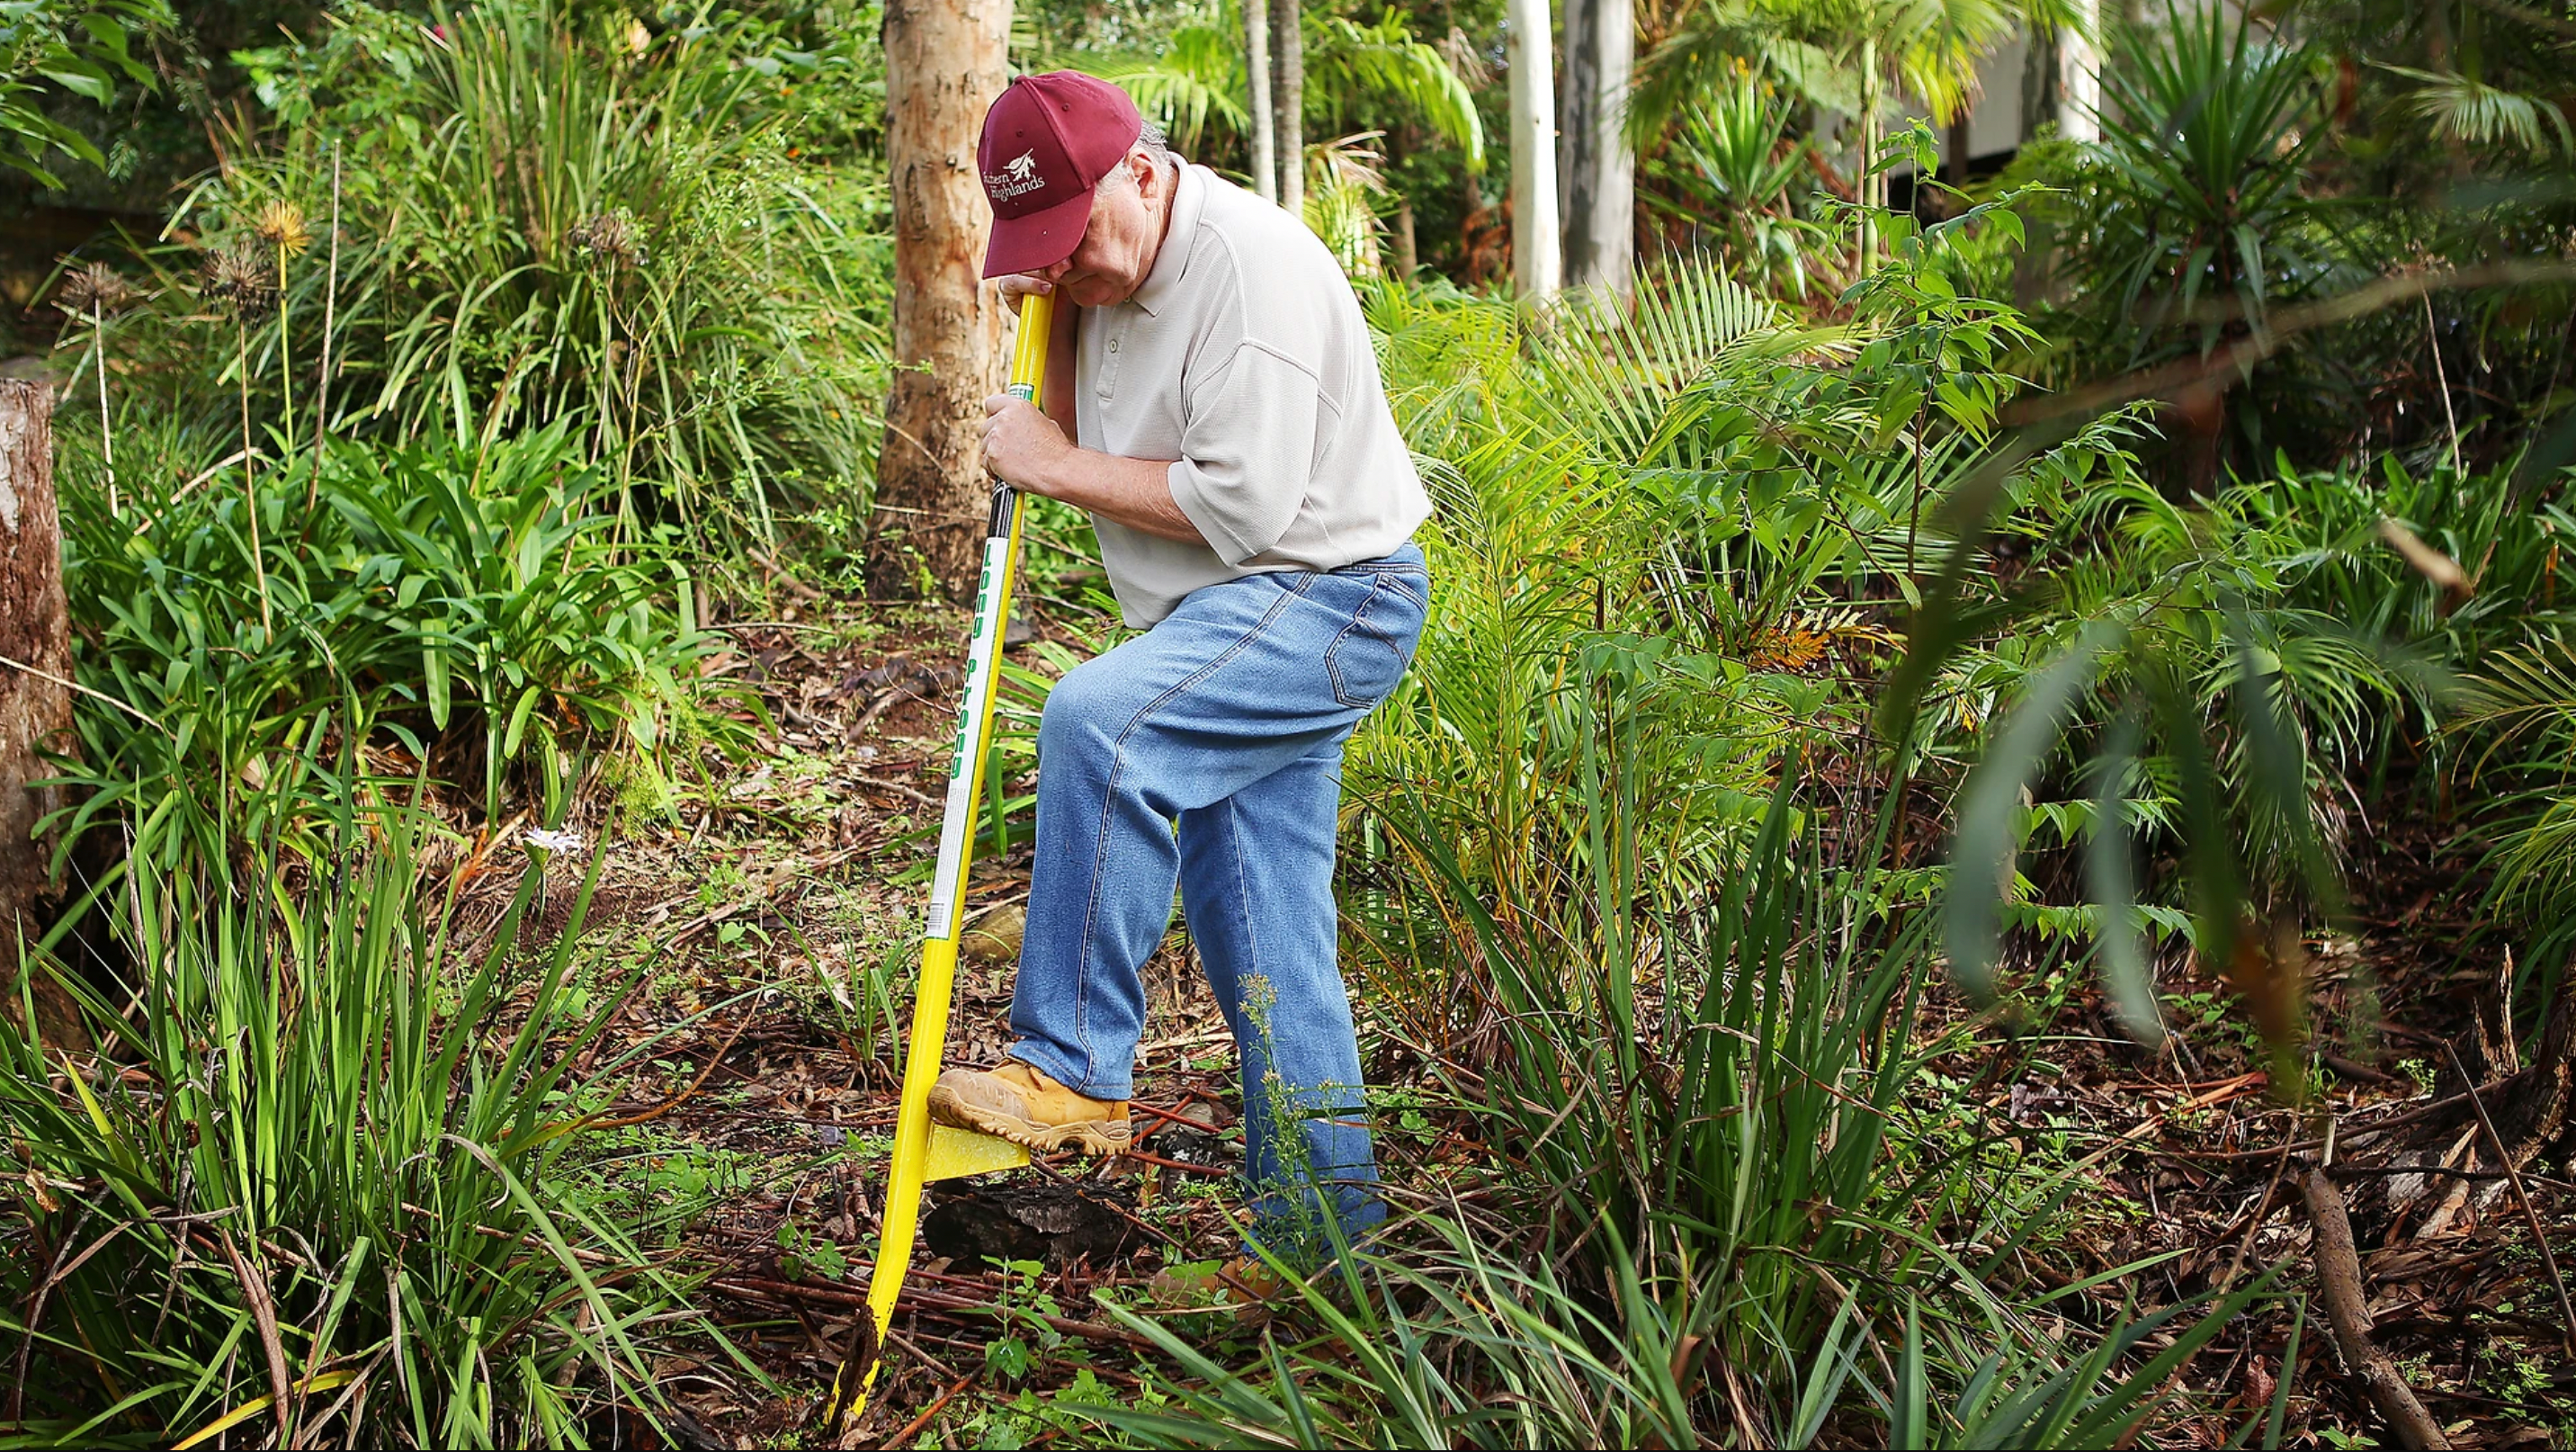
point(1118, 248)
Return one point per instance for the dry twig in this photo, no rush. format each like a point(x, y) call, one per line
point(2522, 1194)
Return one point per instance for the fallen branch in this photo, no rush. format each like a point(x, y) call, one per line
point(263, 1311)
point(2185, 375)
point(2348, 1308)
point(766, 1289)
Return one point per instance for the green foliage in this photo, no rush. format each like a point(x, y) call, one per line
point(1730, 171)
point(2462, 108)
point(1698, 1104)
point(2205, 142)
point(1690, 1014)
point(304, 1161)
point(1191, 82)
point(1350, 64)
point(82, 46)
point(471, 609)
point(549, 219)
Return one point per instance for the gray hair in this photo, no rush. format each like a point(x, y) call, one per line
point(1156, 144)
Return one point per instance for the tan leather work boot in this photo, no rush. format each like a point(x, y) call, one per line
point(1018, 1102)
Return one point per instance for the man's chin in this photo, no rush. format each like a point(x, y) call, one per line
point(1095, 293)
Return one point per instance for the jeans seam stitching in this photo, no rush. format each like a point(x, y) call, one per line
point(1109, 797)
point(1333, 652)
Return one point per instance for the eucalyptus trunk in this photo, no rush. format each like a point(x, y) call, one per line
point(1536, 268)
point(1869, 190)
point(1598, 168)
point(944, 65)
point(2080, 94)
point(1256, 70)
point(1288, 100)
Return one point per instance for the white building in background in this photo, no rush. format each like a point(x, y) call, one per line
point(2026, 82)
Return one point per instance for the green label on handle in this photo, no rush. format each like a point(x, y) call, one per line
point(1024, 393)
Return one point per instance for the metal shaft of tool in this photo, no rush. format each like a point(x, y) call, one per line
point(914, 1149)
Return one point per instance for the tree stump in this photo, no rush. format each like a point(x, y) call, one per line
point(35, 697)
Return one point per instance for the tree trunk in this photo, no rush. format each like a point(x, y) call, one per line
point(1256, 69)
point(2042, 85)
point(1400, 145)
point(1598, 168)
point(1536, 270)
point(944, 66)
point(1288, 101)
point(1868, 179)
point(2080, 80)
point(35, 702)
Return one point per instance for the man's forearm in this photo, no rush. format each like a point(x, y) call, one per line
point(1134, 492)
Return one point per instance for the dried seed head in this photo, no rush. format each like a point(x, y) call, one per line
point(609, 239)
point(239, 277)
point(281, 224)
point(92, 291)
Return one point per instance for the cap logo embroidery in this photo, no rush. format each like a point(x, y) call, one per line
point(1018, 177)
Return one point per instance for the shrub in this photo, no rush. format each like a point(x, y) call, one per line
point(301, 1189)
point(551, 216)
point(468, 610)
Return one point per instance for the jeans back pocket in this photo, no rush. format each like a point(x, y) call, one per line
point(1371, 653)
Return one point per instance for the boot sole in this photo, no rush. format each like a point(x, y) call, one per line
point(1090, 1136)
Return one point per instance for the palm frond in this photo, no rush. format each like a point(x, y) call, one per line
point(1192, 82)
point(1612, 380)
point(2462, 109)
point(1386, 58)
point(1345, 177)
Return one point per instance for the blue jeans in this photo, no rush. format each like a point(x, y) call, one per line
point(1226, 721)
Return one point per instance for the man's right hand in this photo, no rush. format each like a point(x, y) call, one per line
point(1018, 285)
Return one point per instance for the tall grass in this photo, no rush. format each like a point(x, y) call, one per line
point(1715, 1219)
point(549, 218)
point(1616, 876)
point(311, 1188)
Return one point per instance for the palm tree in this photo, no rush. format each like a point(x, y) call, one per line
point(1288, 99)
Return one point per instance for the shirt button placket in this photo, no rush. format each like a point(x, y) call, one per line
point(1107, 387)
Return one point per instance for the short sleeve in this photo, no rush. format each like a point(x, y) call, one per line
point(1249, 438)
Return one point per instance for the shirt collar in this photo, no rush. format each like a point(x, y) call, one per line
point(1189, 199)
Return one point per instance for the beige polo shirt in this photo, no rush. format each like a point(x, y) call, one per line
point(1244, 358)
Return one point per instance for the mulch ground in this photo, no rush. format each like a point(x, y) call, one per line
point(769, 919)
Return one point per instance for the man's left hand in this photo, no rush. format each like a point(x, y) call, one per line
point(1021, 445)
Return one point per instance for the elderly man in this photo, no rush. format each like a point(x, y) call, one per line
point(1213, 401)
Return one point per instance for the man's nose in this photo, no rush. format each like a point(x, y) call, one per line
point(1055, 272)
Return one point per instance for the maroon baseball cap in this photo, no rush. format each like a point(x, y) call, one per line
point(1048, 140)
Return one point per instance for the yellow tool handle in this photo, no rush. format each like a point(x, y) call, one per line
point(947, 916)
point(1029, 351)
